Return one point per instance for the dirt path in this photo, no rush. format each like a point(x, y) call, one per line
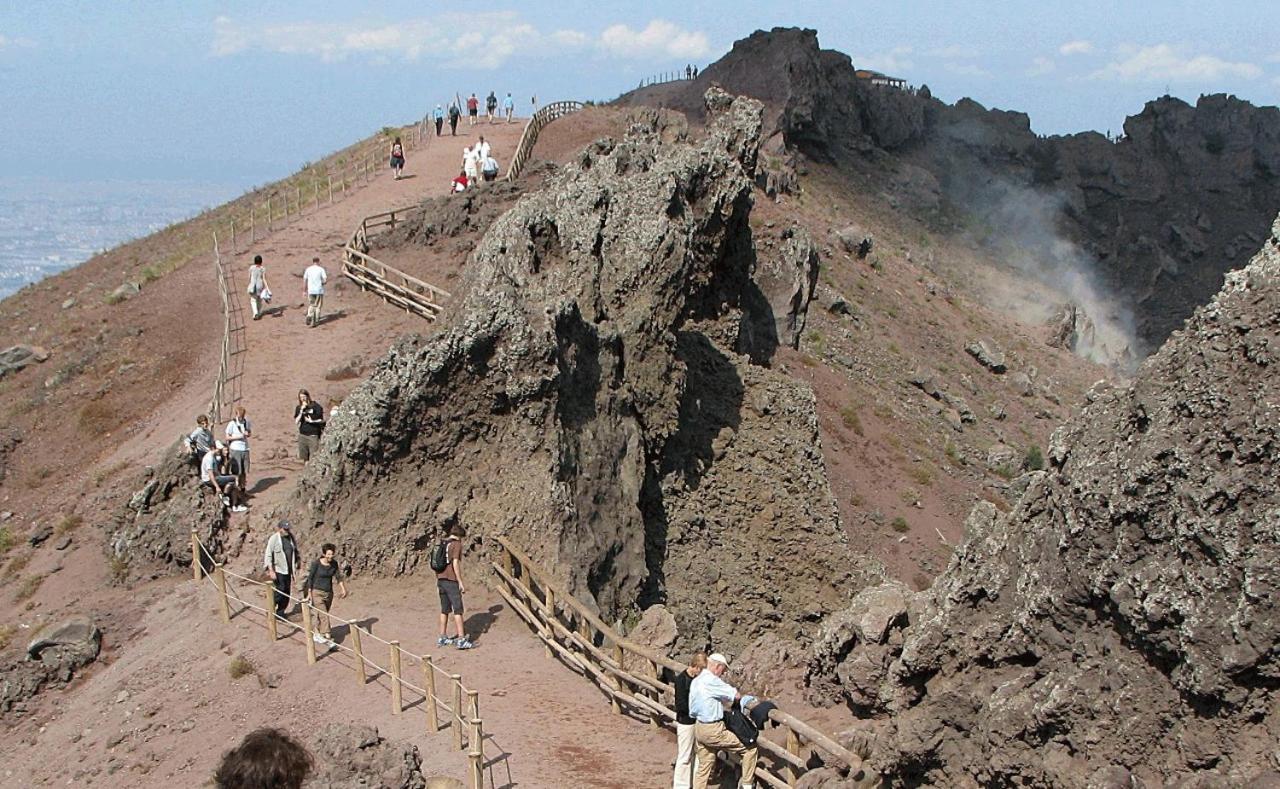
point(162, 706)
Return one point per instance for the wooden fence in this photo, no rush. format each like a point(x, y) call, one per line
point(666, 76)
point(535, 124)
point(441, 691)
point(637, 680)
point(232, 338)
point(393, 285)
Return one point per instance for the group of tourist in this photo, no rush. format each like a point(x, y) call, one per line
point(314, 278)
point(711, 716)
point(478, 165)
point(473, 111)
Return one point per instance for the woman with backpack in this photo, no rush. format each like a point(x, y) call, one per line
point(446, 560)
point(397, 158)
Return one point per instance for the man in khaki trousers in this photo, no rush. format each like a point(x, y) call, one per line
point(707, 696)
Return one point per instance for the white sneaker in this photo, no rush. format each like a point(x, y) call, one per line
point(239, 508)
point(316, 637)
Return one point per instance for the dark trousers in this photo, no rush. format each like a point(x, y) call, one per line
point(439, 125)
point(282, 593)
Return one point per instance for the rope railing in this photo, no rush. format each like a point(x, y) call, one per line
point(462, 717)
point(391, 284)
point(534, 126)
point(635, 678)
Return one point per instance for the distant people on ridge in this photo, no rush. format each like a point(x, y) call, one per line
point(438, 117)
point(473, 109)
point(397, 158)
point(309, 417)
point(491, 106)
point(264, 758)
point(688, 72)
point(259, 292)
point(313, 279)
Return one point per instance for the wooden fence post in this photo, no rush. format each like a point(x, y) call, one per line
point(269, 595)
point(477, 738)
point(473, 703)
point(220, 579)
point(397, 699)
point(308, 633)
point(233, 235)
point(330, 188)
point(429, 683)
point(355, 643)
point(476, 769)
point(297, 201)
point(618, 655)
point(196, 566)
point(793, 748)
point(457, 710)
point(551, 615)
point(253, 223)
point(268, 214)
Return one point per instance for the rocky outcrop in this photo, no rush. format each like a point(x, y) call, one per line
point(1158, 213)
point(18, 357)
point(349, 756)
point(1119, 626)
point(150, 535)
point(602, 397)
point(53, 657)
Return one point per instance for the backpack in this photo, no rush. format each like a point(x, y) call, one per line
point(440, 556)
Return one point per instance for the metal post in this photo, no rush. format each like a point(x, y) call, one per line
point(397, 700)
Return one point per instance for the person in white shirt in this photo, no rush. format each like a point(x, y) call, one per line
point(211, 468)
point(470, 163)
point(483, 148)
point(707, 696)
point(238, 433)
point(280, 560)
point(314, 277)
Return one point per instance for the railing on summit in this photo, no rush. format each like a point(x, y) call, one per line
point(392, 285)
point(637, 680)
point(539, 121)
point(460, 704)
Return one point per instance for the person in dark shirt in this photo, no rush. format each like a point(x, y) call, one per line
point(319, 586)
point(309, 417)
point(683, 777)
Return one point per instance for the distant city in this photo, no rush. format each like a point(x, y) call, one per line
point(47, 226)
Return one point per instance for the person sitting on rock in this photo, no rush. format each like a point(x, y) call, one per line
point(215, 472)
point(461, 183)
point(264, 758)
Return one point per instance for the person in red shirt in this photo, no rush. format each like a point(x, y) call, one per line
point(461, 183)
point(473, 109)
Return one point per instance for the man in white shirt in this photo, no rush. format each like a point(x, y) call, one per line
point(280, 560)
point(314, 277)
point(707, 696)
point(483, 148)
point(471, 163)
point(238, 433)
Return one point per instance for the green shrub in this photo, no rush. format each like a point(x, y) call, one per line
point(29, 588)
point(849, 416)
point(900, 525)
point(1034, 459)
point(241, 667)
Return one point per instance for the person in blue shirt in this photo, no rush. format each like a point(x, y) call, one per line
point(438, 115)
point(509, 106)
point(708, 694)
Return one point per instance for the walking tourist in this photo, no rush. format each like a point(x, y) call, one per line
point(238, 433)
point(318, 587)
point(534, 102)
point(483, 148)
point(280, 560)
point(314, 276)
point(438, 117)
point(473, 109)
point(216, 474)
point(397, 158)
point(309, 417)
point(490, 106)
point(454, 114)
point(259, 293)
point(708, 694)
point(685, 762)
point(509, 106)
point(264, 758)
point(471, 163)
point(688, 72)
point(446, 560)
point(489, 168)
point(200, 440)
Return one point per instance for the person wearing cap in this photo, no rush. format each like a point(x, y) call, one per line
point(281, 559)
point(708, 694)
point(213, 473)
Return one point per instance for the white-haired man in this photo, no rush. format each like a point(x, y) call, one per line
point(707, 696)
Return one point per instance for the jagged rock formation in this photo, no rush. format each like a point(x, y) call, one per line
point(601, 397)
point(349, 756)
point(53, 657)
point(150, 535)
point(1119, 627)
point(1162, 212)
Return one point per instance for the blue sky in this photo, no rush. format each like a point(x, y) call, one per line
point(245, 92)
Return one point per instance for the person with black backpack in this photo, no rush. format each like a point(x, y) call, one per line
point(708, 695)
point(446, 561)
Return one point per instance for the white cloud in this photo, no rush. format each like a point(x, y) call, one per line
point(894, 61)
point(954, 52)
point(477, 40)
point(15, 43)
point(1078, 47)
point(966, 69)
point(660, 38)
point(1163, 62)
point(1041, 66)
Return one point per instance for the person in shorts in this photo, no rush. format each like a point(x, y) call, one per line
point(397, 158)
point(473, 109)
point(314, 277)
point(318, 587)
point(450, 585)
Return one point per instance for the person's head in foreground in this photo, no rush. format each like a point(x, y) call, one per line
point(264, 759)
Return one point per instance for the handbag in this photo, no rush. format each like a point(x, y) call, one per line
point(266, 295)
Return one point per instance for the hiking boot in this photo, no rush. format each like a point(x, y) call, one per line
point(463, 643)
point(443, 641)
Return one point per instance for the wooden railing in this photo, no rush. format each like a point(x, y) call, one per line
point(535, 124)
point(460, 704)
point(666, 76)
point(393, 285)
point(637, 679)
point(232, 336)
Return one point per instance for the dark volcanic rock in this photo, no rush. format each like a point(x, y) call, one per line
point(53, 656)
point(1122, 622)
point(1186, 194)
point(590, 398)
point(352, 756)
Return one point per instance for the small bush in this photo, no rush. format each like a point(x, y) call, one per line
point(7, 540)
point(849, 416)
point(17, 564)
point(69, 523)
point(808, 361)
point(922, 475)
point(1215, 143)
point(119, 567)
point(1004, 471)
point(241, 667)
point(150, 274)
point(857, 500)
point(1034, 459)
point(28, 588)
point(953, 454)
point(114, 298)
point(6, 635)
point(96, 417)
point(899, 524)
point(38, 476)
